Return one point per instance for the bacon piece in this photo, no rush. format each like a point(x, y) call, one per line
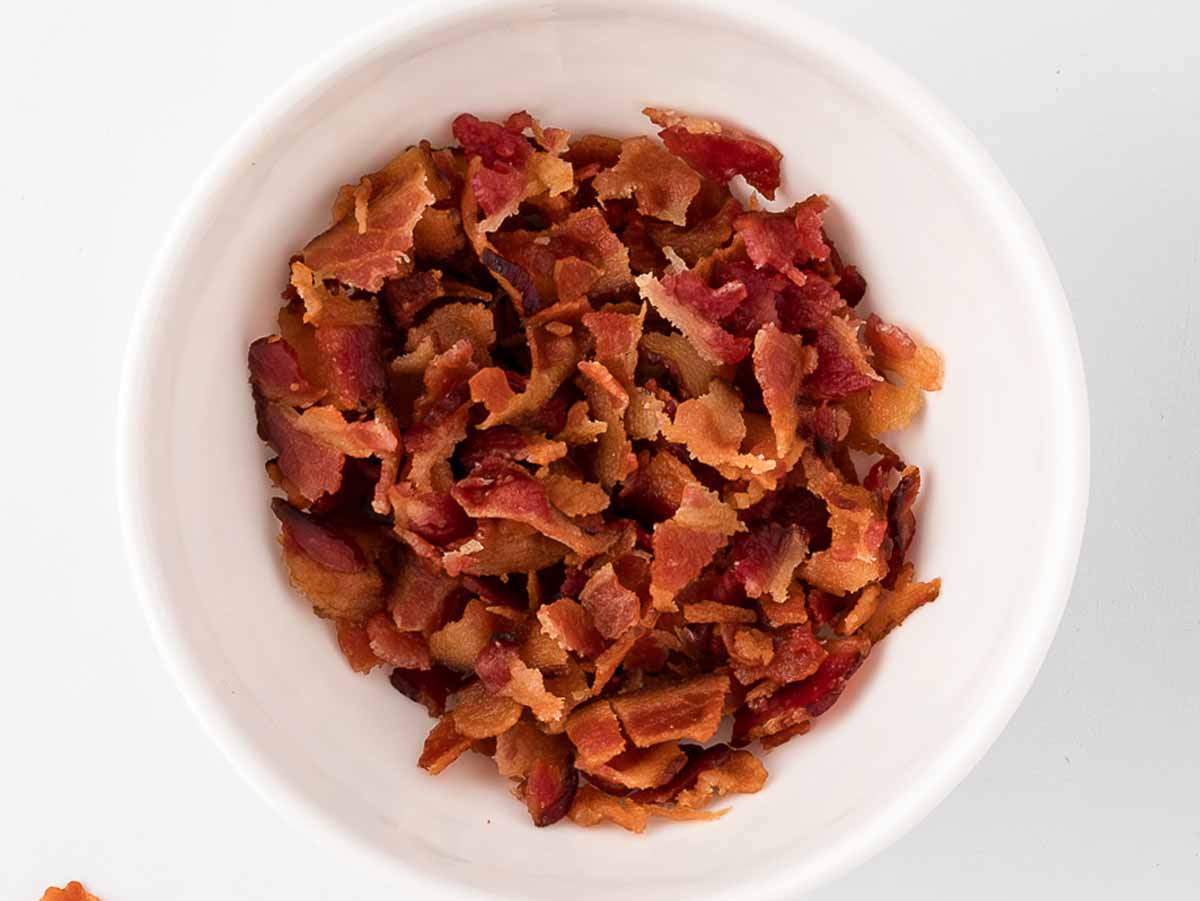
point(792, 611)
point(519, 748)
point(570, 625)
point(363, 259)
point(553, 359)
point(501, 547)
point(457, 644)
point(808, 306)
point(655, 490)
point(857, 527)
point(350, 589)
point(572, 496)
point(612, 658)
point(741, 773)
point(449, 324)
point(593, 806)
point(896, 604)
point(795, 655)
point(690, 709)
point(500, 189)
point(883, 407)
point(444, 745)
point(695, 242)
point(719, 151)
point(864, 607)
point(902, 523)
point(422, 597)
point(72, 891)
point(508, 675)
point(772, 241)
point(660, 181)
point(427, 520)
point(580, 428)
point(499, 490)
point(429, 688)
point(686, 543)
point(896, 351)
point(355, 645)
point(694, 308)
point(799, 702)
point(596, 733)
point(640, 768)
point(691, 371)
point(613, 607)
point(406, 650)
point(430, 444)
point(275, 373)
point(766, 558)
point(712, 429)
point(478, 713)
point(407, 297)
point(310, 466)
point(509, 443)
point(616, 337)
point(842, 367)
point(713, 612)
point(615, 459)
point(550, 790)
point(781, 363)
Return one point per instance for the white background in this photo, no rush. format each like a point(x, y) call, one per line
point(1092, 109)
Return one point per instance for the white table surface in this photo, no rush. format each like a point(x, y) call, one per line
point(110, 111)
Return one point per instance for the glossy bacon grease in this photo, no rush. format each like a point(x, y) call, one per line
point(586, 451)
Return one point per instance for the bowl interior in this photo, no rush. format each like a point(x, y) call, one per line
point(946, 251)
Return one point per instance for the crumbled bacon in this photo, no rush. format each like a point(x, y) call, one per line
point(613, 607)
point(661, 182)
point(719, 151)
point(690, 709)
point(72, 891)
point(579, 516)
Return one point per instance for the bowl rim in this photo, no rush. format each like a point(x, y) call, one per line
point(906, 98)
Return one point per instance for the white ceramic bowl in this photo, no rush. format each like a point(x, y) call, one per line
point(947, 248)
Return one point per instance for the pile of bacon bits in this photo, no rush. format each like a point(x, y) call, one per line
point(586, 451)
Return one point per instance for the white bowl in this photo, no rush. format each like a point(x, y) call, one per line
point(947, 249)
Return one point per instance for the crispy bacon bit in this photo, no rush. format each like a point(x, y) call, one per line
point(406, 650)
point(713, 612)
point(444, 745)
point(613, 607)
point(593, 807)
point(503, 491)
point(364, 258)
point(355, 645)
point(596, 733)
point(719, 151)
point(429, 688)
point(333, 593)
point(72, 891)
point(615, 459)
point(570, 625)
point(895, 351)
point(842, 367)
point(795, 655)
point(457, 644)
point(661, 182)
point(275, 373)
point(523, 479)
point(896, 604)
point(478, 713)
point(781, 363)
point(712, 429)
point(640, 768)
point(422, 596)
point(687, 542)
point(690, 709)
point(801, 701)
point(550, 790)
point(523, 745)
